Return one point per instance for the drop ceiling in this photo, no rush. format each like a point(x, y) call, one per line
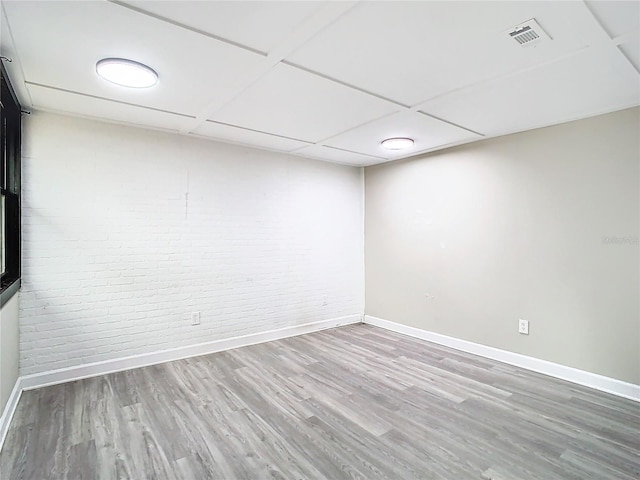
point(328, 80)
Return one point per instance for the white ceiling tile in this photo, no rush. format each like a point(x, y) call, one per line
point(74, 104)
point(59, 44)
point(338, 156)
point(259, 25)
point(234, 134)
point(293, 103)
point(426, 132)
point(412, 51)
point(594, 81)
point(616, 17)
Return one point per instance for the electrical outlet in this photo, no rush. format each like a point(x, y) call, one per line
point(523, 327)
point(195, 318)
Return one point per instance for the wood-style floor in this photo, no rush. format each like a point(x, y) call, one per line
point(354, 402)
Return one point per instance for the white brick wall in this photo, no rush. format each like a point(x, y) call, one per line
point(127, 231)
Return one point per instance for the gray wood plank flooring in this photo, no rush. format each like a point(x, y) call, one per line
point(355, 402)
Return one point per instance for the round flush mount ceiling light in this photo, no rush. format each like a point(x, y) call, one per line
point(397, 143)
point(126, 73)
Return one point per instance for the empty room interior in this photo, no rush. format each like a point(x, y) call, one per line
point(320, 240)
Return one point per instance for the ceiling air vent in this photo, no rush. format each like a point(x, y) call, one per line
point(528, 33)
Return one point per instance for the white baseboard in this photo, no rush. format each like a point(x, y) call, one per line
point(9, 410)
point(63, 375)
point(581, 377)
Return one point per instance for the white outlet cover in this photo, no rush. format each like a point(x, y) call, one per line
point(523, 327)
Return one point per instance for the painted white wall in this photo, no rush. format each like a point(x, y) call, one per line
point(541, 225)
point(127, 231)
point(8, 349)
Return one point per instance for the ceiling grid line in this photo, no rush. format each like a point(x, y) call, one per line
point(323, 142)
point(615, 40)
point(258, 131)
point(107, 99)
point(186, 27)
point(346, 84)
point(487, 81)
point(309, 28)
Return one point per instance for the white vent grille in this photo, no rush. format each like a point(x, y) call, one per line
point(528, 33)
point(525, 35)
